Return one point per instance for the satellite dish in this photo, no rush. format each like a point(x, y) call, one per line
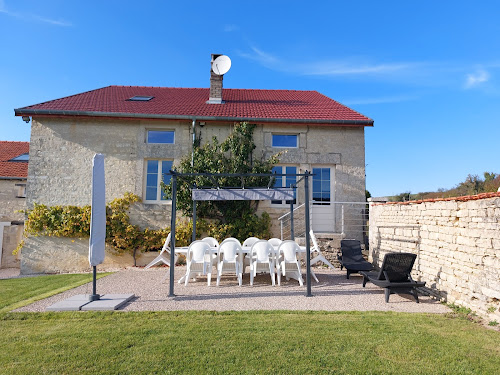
point(221, 65)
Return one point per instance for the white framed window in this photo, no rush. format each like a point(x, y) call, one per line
point(285, 181)
point(160, 136)
point(157, 171)
point(285, 140)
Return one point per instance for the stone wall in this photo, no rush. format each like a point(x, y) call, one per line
point(457, 242)
point(64, 255)
point(61, 152)
point(152, 216)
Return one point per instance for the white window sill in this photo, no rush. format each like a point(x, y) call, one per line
point(166, 203)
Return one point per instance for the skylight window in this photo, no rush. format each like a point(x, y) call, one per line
point(22, 157)
point(141, 98)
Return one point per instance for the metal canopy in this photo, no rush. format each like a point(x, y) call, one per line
point(217, 193)
point(252, 194)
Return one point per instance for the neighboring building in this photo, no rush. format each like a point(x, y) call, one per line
point(143, 131)
point(14, 158)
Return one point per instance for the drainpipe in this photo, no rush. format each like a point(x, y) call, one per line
point(194, 140)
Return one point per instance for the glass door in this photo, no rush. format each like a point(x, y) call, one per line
point(323, 217)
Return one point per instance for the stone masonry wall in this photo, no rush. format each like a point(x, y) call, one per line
point(65, 255)
point(457, 242)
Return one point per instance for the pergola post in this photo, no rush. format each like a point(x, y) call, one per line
point(308, 239)
point(172, 234)
point(292, 231)
point(194, 220)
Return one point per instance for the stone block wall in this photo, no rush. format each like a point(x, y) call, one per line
point(61, 152)
point(457, 242)
point(152, 216)
point(65, 255)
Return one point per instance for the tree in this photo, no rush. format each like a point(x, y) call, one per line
point(233, 155)
point(401, 197)
point(472, 185)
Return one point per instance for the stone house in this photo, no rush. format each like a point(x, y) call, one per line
point(13, 173)
point(144, 131)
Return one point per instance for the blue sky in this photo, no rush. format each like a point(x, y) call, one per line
point(427, 72)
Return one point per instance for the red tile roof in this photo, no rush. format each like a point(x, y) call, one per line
point(8, 151)
point(285, 106)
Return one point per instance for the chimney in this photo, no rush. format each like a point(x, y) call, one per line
point(215, 84)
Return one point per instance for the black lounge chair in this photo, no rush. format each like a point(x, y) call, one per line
point(352, 258)
point(394, 275)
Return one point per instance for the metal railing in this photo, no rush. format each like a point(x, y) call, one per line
point(293, 225)
point(354, 220)
point(350, 220)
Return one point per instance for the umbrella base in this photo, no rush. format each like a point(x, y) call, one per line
point(81, 302)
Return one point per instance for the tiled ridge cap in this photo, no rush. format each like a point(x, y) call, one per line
point(463, 198)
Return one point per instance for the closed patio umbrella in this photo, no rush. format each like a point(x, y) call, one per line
point(97, 219)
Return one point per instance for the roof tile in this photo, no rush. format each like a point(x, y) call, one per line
point(8, 151)
point(265, 105)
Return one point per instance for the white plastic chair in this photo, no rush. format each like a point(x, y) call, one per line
point(250, 241)
point(262, 260)
point(212, 242)
point(231, 239)
point(289, 263)
point(164, 255)
point(231, 260)
point(275, 242)
point(199, 261)
point(319, 255)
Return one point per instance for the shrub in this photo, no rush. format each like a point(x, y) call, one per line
point(74, 221)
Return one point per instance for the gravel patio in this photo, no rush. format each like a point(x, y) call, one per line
point(333, 293)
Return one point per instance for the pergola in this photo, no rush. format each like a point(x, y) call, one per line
point(217, 193)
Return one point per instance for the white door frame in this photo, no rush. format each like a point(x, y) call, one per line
point(324, 212)
point(2, 225)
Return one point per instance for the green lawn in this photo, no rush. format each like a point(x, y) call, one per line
point(15, 293)
point(264, 342)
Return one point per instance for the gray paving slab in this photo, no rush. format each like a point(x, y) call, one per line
point(108, 302)
point(73, 303)
point(81, 302)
